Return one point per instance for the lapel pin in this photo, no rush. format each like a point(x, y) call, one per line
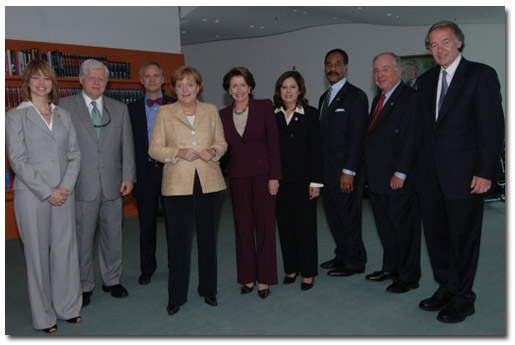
point(296, 118)
point(58, 116)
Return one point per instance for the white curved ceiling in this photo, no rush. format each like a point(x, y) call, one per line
point(212, 23)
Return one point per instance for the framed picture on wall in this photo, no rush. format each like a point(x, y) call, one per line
point(415, 65)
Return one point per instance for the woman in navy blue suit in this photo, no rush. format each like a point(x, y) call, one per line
point(301, 160)
point(254, 171)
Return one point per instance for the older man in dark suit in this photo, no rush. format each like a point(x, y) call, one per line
point(149, 172)
point(390, 159)
point(462, 135)
point(343, 112)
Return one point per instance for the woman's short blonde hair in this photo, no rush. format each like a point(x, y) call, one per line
point(187, 71)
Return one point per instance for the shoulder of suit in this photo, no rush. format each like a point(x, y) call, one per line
point(108, 101)
point(207, 106)
point(261, 102)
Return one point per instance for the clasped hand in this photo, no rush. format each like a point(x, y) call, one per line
point(192, 154)
point(59, 196)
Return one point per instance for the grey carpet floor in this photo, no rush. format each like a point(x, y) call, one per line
point(349, 306)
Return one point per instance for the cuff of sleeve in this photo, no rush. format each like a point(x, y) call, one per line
point(316, 185)
point(349, 172)
point(400, 175)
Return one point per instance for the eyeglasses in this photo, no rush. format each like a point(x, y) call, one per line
point(108, 121)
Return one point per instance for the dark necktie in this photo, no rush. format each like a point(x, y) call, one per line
point(151, 102)
point(378, 110)
point(443, 91)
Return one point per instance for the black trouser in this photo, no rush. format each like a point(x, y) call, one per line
point(400, 234)
point(148, 205)
point(297, 225)
point(200, 211)
point(452, 230)
point(343, 212)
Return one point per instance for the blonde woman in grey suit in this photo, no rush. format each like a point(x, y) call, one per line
point(45, 157)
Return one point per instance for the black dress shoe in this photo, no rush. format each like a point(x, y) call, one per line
point(289, 280)
point(172, 309)
point(144, 278)
point(246, 289)
point(434, 303)
point(345, 272)
point(401, 287)
point(117, 291)
point(307, 286)
point(86, 298)
point(379, 276)
point(211, 300)
point(453, 314)
point(264, 293)
point(334, 263)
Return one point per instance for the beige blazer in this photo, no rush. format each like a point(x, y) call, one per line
point(172, 131)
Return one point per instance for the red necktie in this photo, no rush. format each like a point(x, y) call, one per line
point(151, 102)
point(378, 110)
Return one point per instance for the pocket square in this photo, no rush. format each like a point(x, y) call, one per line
point(339, 110)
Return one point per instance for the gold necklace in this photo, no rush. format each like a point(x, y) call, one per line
point(240, 112)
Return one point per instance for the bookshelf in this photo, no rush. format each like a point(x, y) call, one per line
point(135, 58)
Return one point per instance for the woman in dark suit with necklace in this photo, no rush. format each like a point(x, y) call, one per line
point(254, 171)
point(301, 158)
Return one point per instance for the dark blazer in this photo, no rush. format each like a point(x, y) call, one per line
point(257, 151)
point(468, 138)
point(390, 142)
point(299, 142)
point(343, 127)
point(138, 117)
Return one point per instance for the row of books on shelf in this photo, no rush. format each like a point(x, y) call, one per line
point(13, 94)
point(9, 178)
point(64, 65)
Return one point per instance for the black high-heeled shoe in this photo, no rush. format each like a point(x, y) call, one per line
point(172, 309)
point(52, 329)
point(264, 293)
point(74, 320)
point(211, 300)
point(307, 286)
point(246, 289)
point(290, 280)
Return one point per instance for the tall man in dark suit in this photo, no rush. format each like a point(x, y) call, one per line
point(107, 173)
point(390, 159)
point(149, 172)
point(462, 135)
point(343, 112)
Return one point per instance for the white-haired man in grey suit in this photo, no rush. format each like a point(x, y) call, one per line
point(107, 174)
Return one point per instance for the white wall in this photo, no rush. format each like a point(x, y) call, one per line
point(139, 28)
point(268, 57)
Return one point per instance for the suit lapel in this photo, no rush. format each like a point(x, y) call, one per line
point(387, 106)
point(456, 84)
point(34, 117)
point(83, 115)
point(335, 103)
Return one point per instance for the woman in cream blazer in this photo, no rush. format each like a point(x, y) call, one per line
point(188, 138)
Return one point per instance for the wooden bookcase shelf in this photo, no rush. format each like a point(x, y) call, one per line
point(168, 61)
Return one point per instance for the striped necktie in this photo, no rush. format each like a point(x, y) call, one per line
point(443, 91)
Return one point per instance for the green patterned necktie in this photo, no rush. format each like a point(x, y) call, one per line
point(96, 117)
point(327, 99)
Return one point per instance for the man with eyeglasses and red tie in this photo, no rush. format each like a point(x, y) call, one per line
point(107, 174)
point(149, 172)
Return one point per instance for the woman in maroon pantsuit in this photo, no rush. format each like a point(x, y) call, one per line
point(254, 170)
